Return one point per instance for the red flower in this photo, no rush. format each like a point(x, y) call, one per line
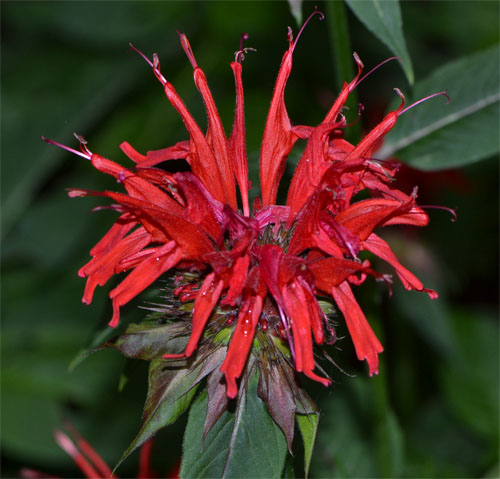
point(277, 257)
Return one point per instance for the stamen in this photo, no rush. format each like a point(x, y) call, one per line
point(239, 56)
point(155, 64)
point(361, 109)
point(187, 48)
point(354, 83)
point(86, 155)
point(83, 144)
point(156, 70)
point(286, 328)
point(441, 93)
point(375, 68)
point(141, 54)
point(400, 94)
point(316, 11)
point(445, 208)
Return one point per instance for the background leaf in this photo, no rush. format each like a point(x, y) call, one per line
point(435, 136)
point(240, 441)
point(383, 19)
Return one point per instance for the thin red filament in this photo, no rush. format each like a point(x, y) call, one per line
point(316, 11)
point(441, 93)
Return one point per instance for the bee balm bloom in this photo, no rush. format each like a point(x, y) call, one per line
point(261, 268)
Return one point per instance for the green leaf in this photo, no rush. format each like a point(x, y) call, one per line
point(308, 425)
point(390, 448)
point(383, 19)
point(244, 443)
point(473, 395)
point(170, 393)
point(93, 96)
point(435, 136)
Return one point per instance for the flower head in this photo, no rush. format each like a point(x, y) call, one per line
point(261, 268)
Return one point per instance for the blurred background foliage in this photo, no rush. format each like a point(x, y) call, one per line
point(433, 410)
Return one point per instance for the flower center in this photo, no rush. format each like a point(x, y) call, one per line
point(276, 234)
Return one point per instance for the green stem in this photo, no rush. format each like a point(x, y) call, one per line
point(342, 59)
point(387, 439)
point(381, 412)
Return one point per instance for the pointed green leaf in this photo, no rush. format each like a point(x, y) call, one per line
point(436, 135)
point(308, 425)
point(170, 393)
point(243, 443)
point(383, 19)
point(98, 340)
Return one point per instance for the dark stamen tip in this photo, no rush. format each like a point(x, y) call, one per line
point(239, 56)
point(187, 49)
point(358, 61)
point(80, 138)
point(399, 93)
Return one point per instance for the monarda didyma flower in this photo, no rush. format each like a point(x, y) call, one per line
point(247, 277)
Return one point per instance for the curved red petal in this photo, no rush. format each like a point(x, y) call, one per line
point(142, 276)
point(237, 140)
point(330, 272)
point(278, 139)
point(241, 342)
point(365, 342)
point(380, 248)
point(204, 304)
point(296, 303)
